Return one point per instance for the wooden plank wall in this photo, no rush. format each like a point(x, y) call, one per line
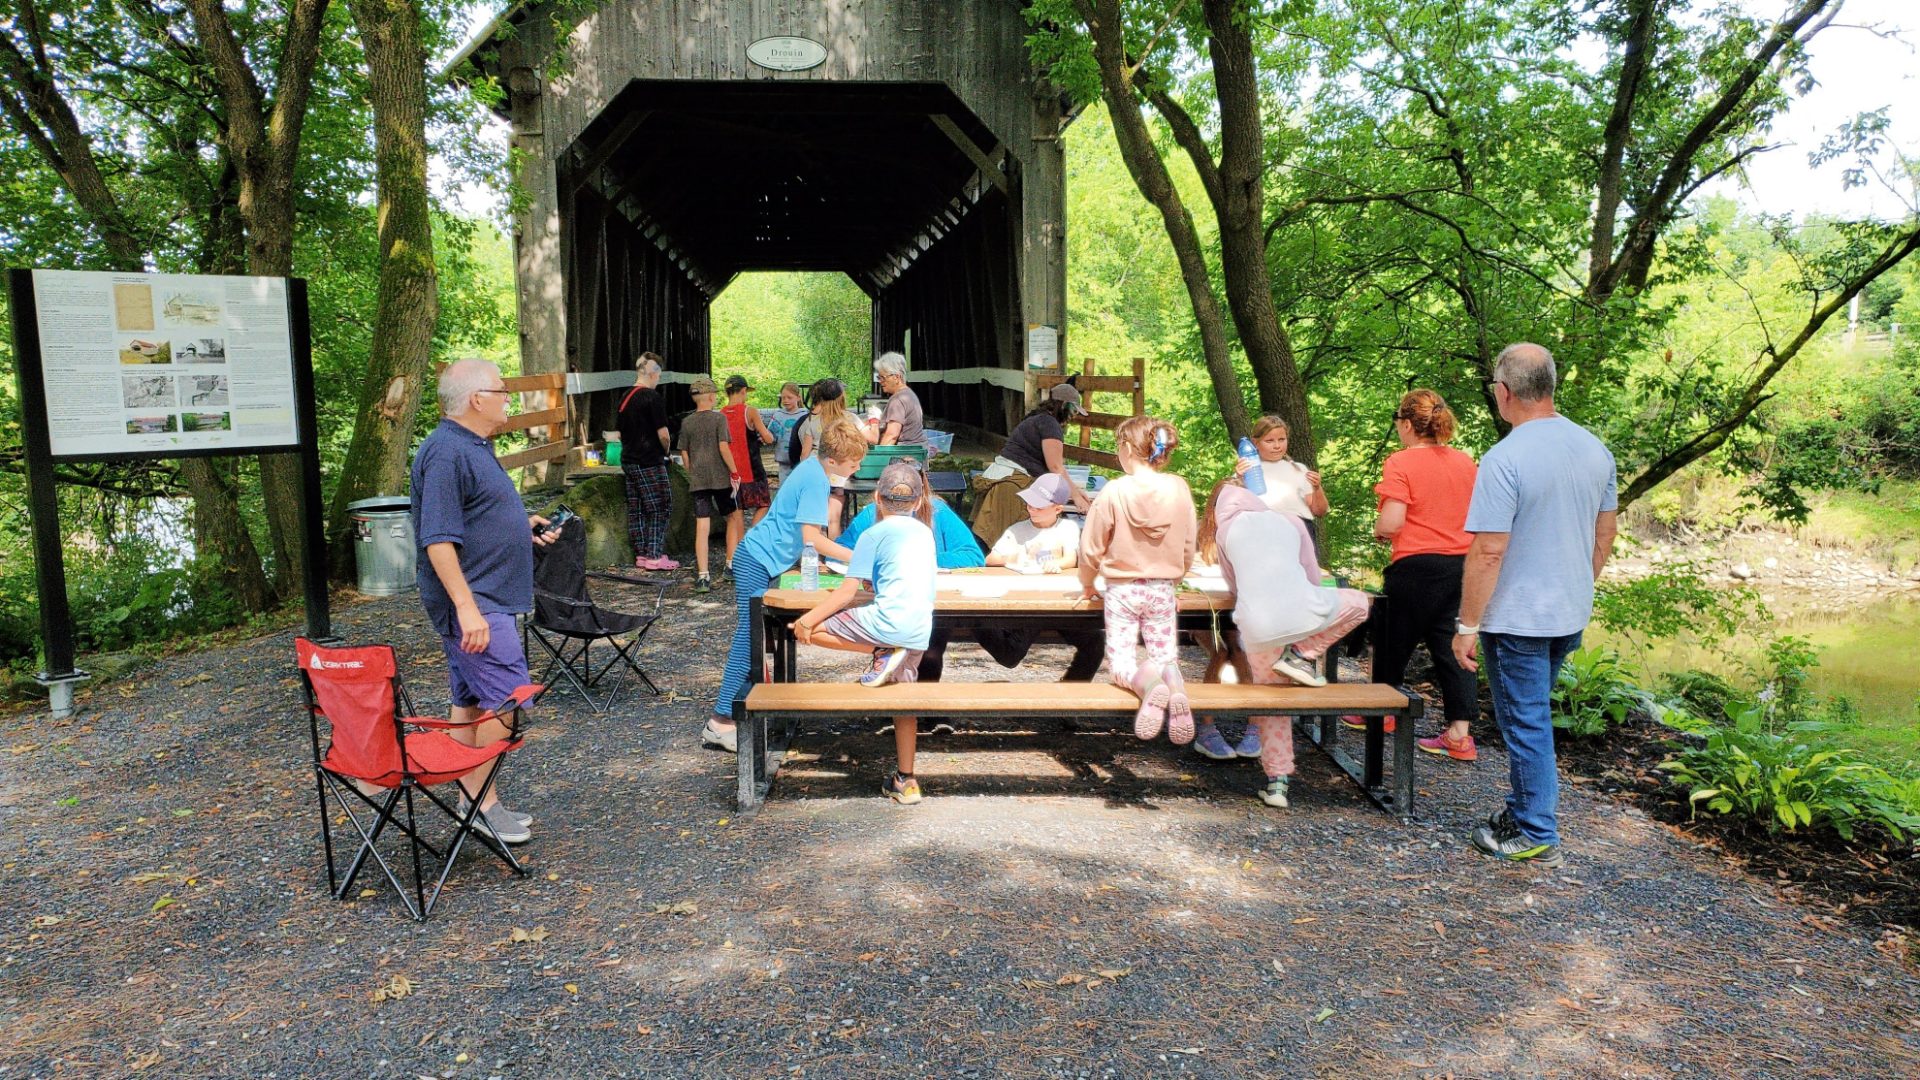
point(976, 47)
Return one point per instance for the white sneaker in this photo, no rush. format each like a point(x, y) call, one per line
point(1299, 669)
point(720, 738)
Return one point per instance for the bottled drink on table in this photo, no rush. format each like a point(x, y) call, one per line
point(1254, 479)
point(809, 568)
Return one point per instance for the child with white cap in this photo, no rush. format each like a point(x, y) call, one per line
point(1048, 541)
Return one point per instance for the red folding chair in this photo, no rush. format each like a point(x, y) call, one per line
point(373, 739)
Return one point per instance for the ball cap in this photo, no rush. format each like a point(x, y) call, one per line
point(901, 485)
point(1050, 490)
point(737, 383)
point(701, 385)
point(1068, 393)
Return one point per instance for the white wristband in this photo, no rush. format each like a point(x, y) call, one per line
point(1463, 628)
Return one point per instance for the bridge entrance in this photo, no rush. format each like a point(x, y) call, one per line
point(658, 157)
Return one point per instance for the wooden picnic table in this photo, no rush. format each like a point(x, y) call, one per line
point(998, 598)
point(1001, 598)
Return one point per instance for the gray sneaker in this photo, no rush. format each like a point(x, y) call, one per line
point(526, 820)
point(501, 824)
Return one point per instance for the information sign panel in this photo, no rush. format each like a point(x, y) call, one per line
point(161, 364)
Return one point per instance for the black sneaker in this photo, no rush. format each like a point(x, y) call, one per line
point(702, 585)
point(1502, 824)
point(1513, 846)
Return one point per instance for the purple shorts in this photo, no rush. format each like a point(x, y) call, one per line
point(486, 679)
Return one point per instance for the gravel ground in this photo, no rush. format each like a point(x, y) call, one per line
point(1063, 904)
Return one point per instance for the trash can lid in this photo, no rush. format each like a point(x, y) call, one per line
point(389, 503)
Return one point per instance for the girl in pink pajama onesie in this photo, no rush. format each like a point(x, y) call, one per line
point(1140, 536)
point(1268, 561)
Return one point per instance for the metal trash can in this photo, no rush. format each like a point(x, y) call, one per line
point(384, 552)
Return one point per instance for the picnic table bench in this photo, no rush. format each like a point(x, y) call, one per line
point(964, 603)
point(767, 703)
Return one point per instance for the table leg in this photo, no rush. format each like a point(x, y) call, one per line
point(749, 733)
point(1403, 755)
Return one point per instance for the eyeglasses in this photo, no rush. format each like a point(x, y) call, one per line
point(502, 390)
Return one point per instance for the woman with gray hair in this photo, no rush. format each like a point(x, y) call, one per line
point(903, 422)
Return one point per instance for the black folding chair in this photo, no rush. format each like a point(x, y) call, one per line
point(566, 621)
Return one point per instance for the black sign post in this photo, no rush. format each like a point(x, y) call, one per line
point(56, 618)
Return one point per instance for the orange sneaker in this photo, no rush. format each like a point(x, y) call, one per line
point(1359, 723)
point(1459, 751)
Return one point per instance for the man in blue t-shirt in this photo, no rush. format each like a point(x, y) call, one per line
point(1542, 520)
point(475, 568)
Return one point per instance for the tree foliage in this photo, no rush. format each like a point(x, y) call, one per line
point(1443, 179)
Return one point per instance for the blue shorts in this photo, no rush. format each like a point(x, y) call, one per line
point(487, 678)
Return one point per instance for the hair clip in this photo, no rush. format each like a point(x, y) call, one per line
point(1159, 444)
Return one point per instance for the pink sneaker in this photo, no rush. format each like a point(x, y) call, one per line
point(1464, 750)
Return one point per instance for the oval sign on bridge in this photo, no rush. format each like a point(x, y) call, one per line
point(787, 53)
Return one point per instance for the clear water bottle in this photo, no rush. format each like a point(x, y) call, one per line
point(1254, 479)
point(809, 568)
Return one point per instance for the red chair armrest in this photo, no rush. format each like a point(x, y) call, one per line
point(521, 697)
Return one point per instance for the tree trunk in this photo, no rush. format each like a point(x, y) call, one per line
point(1156, 185)
point(220, 537)
point(408, 299)
point(1243, 241)
point(264, 145)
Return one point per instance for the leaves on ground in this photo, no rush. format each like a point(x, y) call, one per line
point(395, 988)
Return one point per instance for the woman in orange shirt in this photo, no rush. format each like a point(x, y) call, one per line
point(1424, 492)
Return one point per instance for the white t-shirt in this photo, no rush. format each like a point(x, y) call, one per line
point(1024, 539)
point(1287, 487)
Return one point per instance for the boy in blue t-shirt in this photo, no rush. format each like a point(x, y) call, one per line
point(897, 556)
point(797, 517)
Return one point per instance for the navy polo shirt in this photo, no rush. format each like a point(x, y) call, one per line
point(462, 496)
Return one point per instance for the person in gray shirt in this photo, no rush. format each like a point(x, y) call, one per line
point(1542, 520)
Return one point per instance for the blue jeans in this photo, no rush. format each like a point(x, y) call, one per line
point(750, 581)
point(1520, 672)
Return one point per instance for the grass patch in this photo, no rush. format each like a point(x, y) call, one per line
point(1886, 523)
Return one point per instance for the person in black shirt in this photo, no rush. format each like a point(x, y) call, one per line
point(1036, 447)
point(644, 444)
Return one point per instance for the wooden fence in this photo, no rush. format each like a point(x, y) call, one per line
point(1090, 383)
point(543, 404)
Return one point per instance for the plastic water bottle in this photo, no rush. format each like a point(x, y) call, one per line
point(809, 568)
point(1254, 479)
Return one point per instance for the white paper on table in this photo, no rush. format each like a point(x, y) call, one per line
point(834, 566)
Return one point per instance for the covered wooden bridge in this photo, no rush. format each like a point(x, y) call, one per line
point(664, 146)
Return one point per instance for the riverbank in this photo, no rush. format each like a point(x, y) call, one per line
point(1854, 547)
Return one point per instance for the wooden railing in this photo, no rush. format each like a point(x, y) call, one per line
point(1090, 383)
point(543, 403)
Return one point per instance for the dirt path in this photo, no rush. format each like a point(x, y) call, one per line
point(1062, 905)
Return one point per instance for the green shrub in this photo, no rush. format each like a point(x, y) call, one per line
point(1702, 693)
point(1792, 779)
point(1785, 673)
point(1595, 691)
point(119, 597)
point(1674, 598)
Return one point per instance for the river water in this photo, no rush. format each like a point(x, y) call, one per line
point(1870, 653)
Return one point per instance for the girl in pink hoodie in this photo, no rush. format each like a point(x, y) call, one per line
point(1140, 536)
